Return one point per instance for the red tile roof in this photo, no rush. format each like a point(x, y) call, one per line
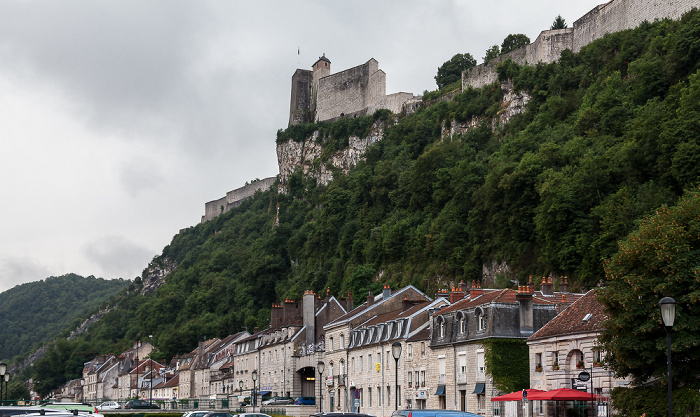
point(575, 319)
point(507, 296)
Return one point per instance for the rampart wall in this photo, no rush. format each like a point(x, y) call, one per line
point(610, 17)
point(235, 197)
point(349, 91)
point(300, 103)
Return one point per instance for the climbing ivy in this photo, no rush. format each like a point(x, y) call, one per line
point(507, 362)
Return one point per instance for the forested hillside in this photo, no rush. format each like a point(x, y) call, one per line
point(35, 312)
point(610, 135)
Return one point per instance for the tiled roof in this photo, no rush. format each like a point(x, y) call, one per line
point(508, 296)
point(575, 319)
point(421, 335)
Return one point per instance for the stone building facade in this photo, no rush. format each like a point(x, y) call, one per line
point(564, 347)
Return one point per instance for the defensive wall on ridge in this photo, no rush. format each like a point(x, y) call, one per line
point(235, 197)
point(614, 16)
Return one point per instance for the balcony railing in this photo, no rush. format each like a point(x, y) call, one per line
point(341, 379)
point(461, 378)
point(441, 379)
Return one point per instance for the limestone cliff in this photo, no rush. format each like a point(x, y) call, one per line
point(307, 156)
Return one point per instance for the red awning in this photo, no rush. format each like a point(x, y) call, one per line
point(517, 395)
point(562, 394)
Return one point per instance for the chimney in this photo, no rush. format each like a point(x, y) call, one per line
point(386, 292)
point(328, 294)
point(564, 285)
point(348, 302)
point(456, 295)
point(475, 290)
point(309, 315)
point(442, 294)
point(546, 287)
point(370, 299)
point(275, 315)
point(462, 287)
point(290, 310)
point(406, 304)
point(525, 308)
point(256, 329)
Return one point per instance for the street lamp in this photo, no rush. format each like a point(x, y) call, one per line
point(668, 315)
point(7, 380)
point(396, 353)
point(254, 374)
point(3, 370)
point(320, 366)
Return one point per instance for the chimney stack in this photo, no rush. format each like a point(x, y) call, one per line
point(547, 287)
point(309, 315)
point(564, 285)
point(348, 302)
point(370, 299)
point(456, 294)
point(386, 292)
point(525, 308)
point(475, 290)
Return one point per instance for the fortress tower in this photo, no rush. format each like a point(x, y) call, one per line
point(318, 96)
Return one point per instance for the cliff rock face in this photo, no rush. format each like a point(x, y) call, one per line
point(155, 275)
point(513, 103)
point(307, 156)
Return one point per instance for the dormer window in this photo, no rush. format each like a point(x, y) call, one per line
point(462, 323)
point(480, 320)
point(441, 327)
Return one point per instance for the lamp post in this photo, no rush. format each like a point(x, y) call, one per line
point(150, 384)
point(396, 353)
point(3, 369)
point(240, 391)
point(7, 380)
point(254, 375)
point(668, 315)
point(320, 366)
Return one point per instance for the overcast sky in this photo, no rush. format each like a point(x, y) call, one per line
point(120, 119)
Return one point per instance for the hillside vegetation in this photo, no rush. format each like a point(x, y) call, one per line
point(610, 134)
point(35, 312)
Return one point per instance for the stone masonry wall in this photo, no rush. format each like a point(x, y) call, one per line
point(345, 92)
point(614, 16)
point(235, 197)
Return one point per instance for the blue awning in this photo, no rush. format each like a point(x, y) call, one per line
point(264, 393)
point(440, 390)
point(480, 388)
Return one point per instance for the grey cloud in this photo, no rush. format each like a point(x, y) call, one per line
point(17, 270)
point(117, 256)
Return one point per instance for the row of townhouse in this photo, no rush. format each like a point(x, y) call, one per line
point(441, 365)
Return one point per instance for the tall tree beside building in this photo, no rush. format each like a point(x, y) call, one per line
point(451, 71)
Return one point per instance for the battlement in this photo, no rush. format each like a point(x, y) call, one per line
point(610, 17)
point(235, 197)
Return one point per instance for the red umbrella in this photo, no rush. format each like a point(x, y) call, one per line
point(562, 394)
point(517, 395)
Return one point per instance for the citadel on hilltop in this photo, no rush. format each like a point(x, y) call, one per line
point(318, 95)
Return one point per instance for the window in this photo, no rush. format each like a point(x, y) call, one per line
point(379, 396)
point(369, 396)
point(463, 362)
point(398, 394)
point(441, 327)
point(352, 364)
point(481, 401)
point(342, 341)
point(422, 349)
point(441, 365)
point(480, 322)
point(387, 360)
point(330, 344)
point(342, 368)
point(422, 378)
point(462, 323)
point(410, 379)
point(361, 365)
point(410, 350)
point(369, 362)
point(480, 365)
point(417, 380)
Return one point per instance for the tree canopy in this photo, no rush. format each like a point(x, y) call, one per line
point(451, 71)
point(491, 53)
point(559, 23)
point(513, 42)
point(660, 259)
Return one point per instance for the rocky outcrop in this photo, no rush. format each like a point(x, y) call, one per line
point(155, 274)
point(306, 155)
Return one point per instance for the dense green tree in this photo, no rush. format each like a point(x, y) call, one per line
point(513, 42)
point(451, 71)
point(491, 53)
point(660, 259)
point(559, 23)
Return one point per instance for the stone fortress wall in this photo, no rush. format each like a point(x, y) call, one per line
point(320, 96)
point(613, 16)
point(235, 197)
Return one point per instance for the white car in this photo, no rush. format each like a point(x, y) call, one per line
point(109, 405)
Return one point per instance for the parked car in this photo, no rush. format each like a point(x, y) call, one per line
point(340, 414)
point(305, 401)
point(252, 415)
point(218, 414)
point(279, 401)
point(7, 411)
point(109, 405)
point(81, 407)
point(139, 404)
point(198, 413)
point(431, 413)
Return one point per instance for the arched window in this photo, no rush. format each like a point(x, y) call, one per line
point(330, 344)
point(480, 320)
point(462, 319)
point(441, 327)
point(342, 341)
